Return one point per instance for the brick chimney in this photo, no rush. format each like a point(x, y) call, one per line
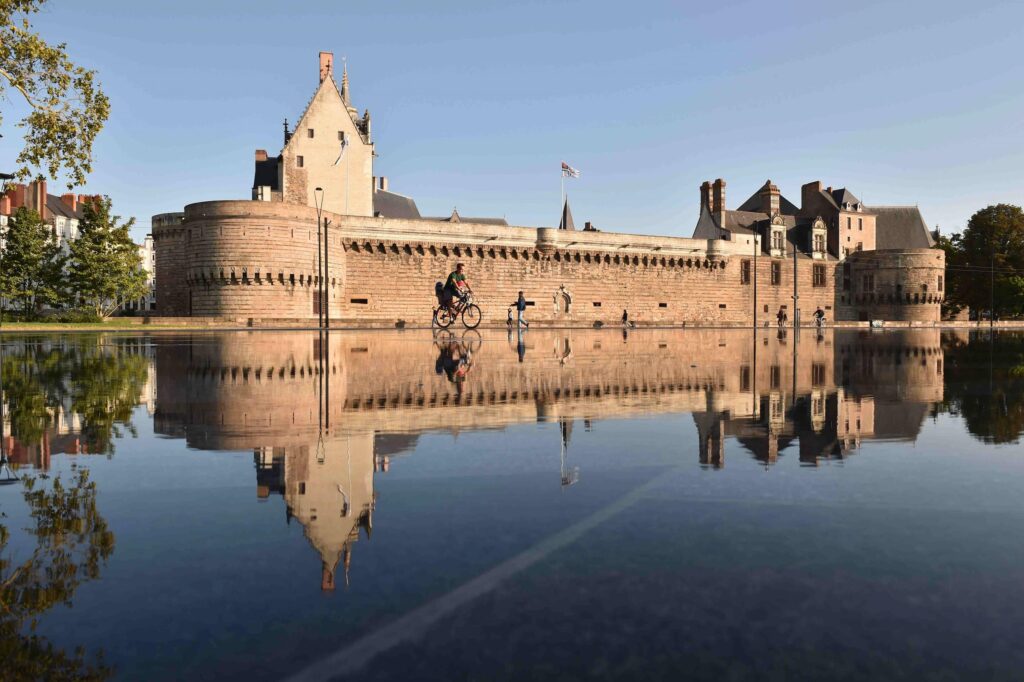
point(5, 205)
point(383, 183)
point(769, 195)
point(718, 200)
point(36, 199)
point(326, 65)
point(70, 200)
point(261, 155)
point(809, 194)
point(17, 193)
point(705, 196)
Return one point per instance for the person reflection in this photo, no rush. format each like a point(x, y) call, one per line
point(520, 346)
point(454, 361)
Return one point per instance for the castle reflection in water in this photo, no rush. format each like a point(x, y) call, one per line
point(323, 416)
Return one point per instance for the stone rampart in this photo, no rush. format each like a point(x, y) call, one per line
point(255, 259)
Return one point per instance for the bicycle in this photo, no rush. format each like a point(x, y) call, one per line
point(461, 307)
point(819, 322)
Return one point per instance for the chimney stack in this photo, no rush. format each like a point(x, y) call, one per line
point(36, 199)
point(718, 199)
point(770, 203)
point(809, 194)
point(17, 194)
point(383, 183)
point(705, 196)
point(261, 155)
point(326, 65)
point(5, 205)
point(70, 200)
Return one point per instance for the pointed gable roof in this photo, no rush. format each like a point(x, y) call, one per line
point(329, 84)
point(566, 222)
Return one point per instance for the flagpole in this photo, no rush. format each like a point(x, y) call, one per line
point(561, 206)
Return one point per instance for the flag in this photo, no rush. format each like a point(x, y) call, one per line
point(341, 152)
point(568, 171)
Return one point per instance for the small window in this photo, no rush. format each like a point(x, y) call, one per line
point(819, 276)
point(529, 303)
point(940, 282)
point(359, 301)
point(721, 306)
point(597, 304)
point(300, 162)
point(860, 223)
point(302, 488)
point(776, 273)
point(745, 378)
point(745, 272)
point(849, 223)
point(775, 376)
point(766, 307)
point(663, 305)
point(309, 133)
point(341, 136)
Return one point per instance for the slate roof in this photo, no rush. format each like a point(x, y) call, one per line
point(900, 227)
point(391, 205)
point(58, 208)
point(754, 204)
point(266, 174)
point(706, 227)
point(456, 218)
point(844, 196)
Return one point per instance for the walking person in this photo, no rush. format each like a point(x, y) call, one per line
point(625, 319)
point(521, 310)
point(781, 317)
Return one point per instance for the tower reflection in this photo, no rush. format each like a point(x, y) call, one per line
point(324, 414)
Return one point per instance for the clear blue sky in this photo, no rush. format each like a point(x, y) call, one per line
point(475, 103)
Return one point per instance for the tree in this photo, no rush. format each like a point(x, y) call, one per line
point(31, 263)
point(72, 543)
point(105, 268)
point(992, 244)
point(67, 109)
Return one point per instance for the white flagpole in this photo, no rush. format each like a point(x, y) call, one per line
point(562, 205)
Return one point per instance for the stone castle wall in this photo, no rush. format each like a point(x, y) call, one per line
point(250, 259)
point(171, 295)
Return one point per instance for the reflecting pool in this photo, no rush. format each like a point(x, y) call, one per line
point(398, 505)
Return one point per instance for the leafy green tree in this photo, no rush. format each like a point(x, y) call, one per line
point(66, 107)
point(72, 541)
point(99, 379)
point(31, 264)
point(993, 240)
point(984, 384)
point(105, 268)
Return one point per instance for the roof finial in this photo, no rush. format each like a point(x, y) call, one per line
point(344, 80)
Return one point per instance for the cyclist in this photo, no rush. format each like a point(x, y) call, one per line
point(456, 285)
point(819, 317)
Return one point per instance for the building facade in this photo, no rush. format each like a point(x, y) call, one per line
point(258, 259)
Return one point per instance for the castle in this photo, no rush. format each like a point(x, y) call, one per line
point(257, 259)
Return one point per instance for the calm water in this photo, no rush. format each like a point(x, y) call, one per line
point(563, 505)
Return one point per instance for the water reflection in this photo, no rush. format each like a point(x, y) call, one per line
point(324, 415)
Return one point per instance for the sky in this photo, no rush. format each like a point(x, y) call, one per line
point(476, 103)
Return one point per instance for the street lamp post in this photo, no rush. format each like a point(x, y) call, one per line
point(318, 200)
point(325, 304)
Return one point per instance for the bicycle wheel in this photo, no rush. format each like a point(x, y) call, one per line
point(443, 318)
point(472, 340)
point(471, 316)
